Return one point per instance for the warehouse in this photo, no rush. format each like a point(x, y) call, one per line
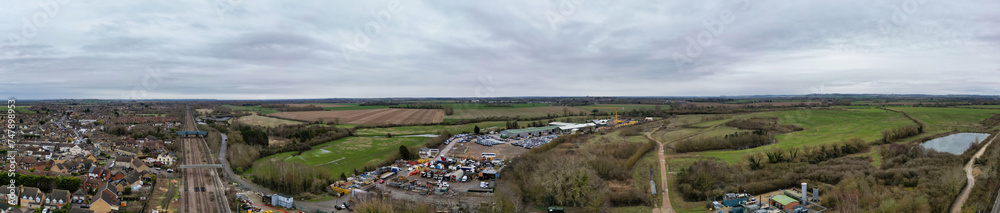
point(572, 127)
point(533, 131)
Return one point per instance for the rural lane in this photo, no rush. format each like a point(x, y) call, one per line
point(960, 201)
point(665, 192)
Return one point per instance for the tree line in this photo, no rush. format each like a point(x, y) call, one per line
point(44, 183)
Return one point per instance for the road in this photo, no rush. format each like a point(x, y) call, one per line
point(444, 152)
point(203, 190)
point(960, 201)
point(230, 175)
point(664, 191)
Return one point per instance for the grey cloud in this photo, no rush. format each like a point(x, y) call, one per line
point(271, 49)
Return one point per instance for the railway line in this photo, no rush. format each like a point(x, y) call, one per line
point(202, 190)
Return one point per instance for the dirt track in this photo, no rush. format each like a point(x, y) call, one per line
point(368, 116)
point(971, 179)
point(664, 191)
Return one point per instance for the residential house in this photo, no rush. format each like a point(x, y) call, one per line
point(138, 165)
point(79, 197)
point(123, 161)
point(80, 210)
point(31, 197)
point(166, 159)
point(105, 201)
point(57, 199)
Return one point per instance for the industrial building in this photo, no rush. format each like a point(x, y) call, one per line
point(533, 131)
point(784, 202)
point(571, 127)
point(283, 201)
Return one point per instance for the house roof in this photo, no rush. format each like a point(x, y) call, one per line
point(107, 197)
point(59, 194)
point(80, 192)
point(30, 192)
point(132, 178)
point(123, 159)
point(783, 200)
point(108, 186)
point(79, 210)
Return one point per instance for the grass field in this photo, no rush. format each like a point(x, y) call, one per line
point(18, 109)
point(265, 121)
point(610, 108)
point(822, 127)
point(483, 106)
point(943, 120)
point(982, 106)
point(524, 112)
point(346, 154)
point(264, 111)
point(640, 175)
point(940, 120)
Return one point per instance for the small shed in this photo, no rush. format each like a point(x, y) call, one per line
point(283, 201)
point(784, 202)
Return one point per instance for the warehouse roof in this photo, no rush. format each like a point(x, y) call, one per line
point(783, 200)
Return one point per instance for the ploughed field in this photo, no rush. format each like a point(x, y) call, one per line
point(368, 116)
point(525, 112)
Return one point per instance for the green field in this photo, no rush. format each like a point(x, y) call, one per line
point(982, 106)
point(483, 106)
point(822, 127)
point(939, 120)
point(18, 109)
point(346, 154)
point(264, 111)
point(610, 108)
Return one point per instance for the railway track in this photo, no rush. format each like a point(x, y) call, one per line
point(202, 188)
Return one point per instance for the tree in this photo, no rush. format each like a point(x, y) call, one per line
point(404, 152)
point(476, 130)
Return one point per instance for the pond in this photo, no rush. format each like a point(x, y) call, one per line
point(955, 143)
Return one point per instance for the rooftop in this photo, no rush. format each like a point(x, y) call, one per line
point(783, 200)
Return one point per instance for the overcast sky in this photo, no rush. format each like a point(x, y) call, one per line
point(236, 49)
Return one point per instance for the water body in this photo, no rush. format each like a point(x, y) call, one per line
point(955, 143)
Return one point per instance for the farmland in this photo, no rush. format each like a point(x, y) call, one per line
point(265, 121)
point(524, 112)
point(610, 108)
point(319, 105)
point(368, 117)
point(940, 120)
point(18, 109)
point(432, 129)
point(346, 154)
point(258, 108)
